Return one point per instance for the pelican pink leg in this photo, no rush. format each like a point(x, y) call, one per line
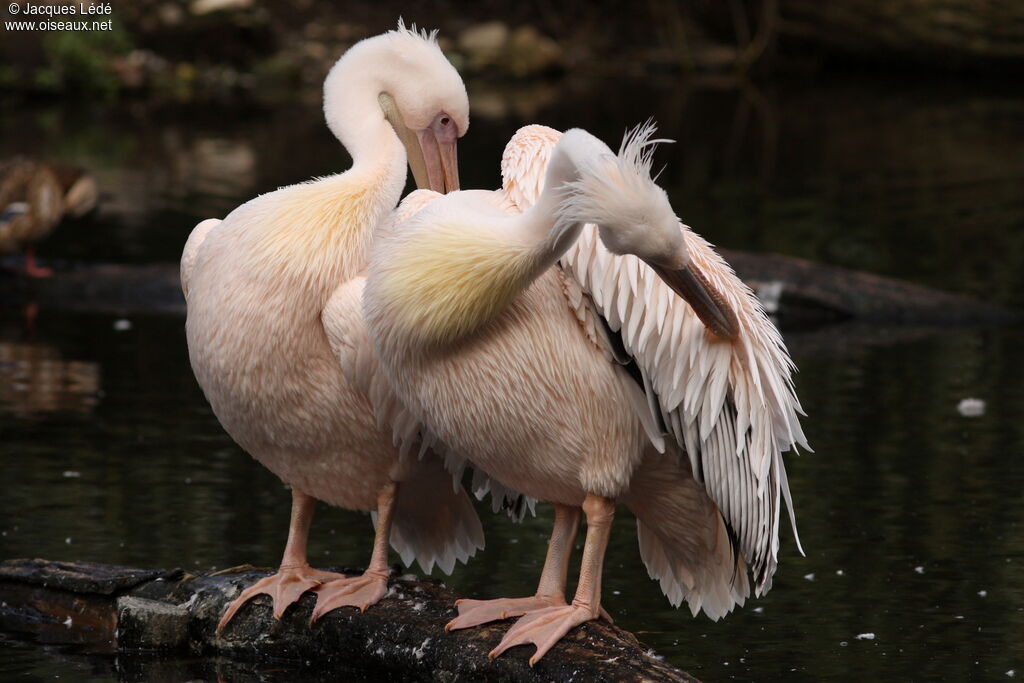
point(295, 576)
point(545, 627)
point(550, 589)
point(367, 589)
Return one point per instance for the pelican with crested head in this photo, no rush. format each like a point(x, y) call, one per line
point(574, 341)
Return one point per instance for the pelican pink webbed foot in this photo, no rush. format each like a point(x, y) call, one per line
point(358, 591)
point(295, 576)
point(550, 590)
point(546, 626)
point(476, 612)
point(284, 588)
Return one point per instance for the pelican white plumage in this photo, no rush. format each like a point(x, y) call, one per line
point(256, 284)
point(521, 367)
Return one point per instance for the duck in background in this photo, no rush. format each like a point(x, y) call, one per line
point(35, 196)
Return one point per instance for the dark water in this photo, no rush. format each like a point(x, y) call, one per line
point(912, 515)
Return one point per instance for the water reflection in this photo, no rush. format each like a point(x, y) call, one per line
point(911, 514)
point(35, 379)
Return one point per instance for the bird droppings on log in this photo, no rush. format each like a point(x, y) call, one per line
point(806, 292)
point(133, 612)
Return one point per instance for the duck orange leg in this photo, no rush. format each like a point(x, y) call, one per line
point(365, 590)
point(295, 576)
point(550, 589)
point(33, 269)
point(545, 627)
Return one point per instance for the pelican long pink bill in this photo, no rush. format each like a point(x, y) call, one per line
point(432, 152)
point(438, 145)
point(707, 302)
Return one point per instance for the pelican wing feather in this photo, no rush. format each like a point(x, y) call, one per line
point(731, 405)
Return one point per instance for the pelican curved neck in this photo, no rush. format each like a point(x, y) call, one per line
point(461, 263)
point(354, 116)
point(549, 231)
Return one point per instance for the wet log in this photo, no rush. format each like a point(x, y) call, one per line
point(132, 612)
point(804, 290)
point(797, 289)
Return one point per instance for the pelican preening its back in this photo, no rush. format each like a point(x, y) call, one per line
point(696, 386)
point(731, 406)
point(260, 339)
point(517, 364)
